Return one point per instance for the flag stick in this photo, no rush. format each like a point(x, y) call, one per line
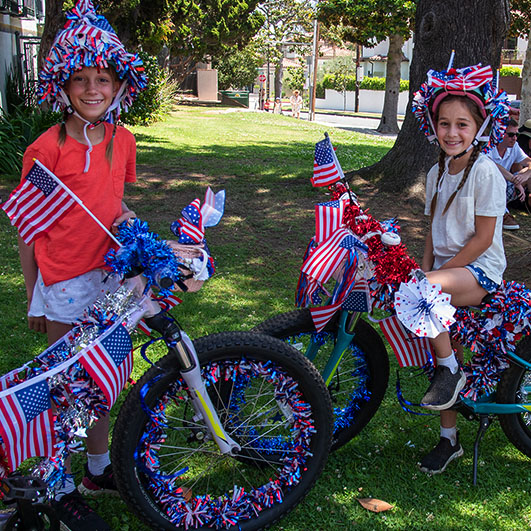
point(77, 200)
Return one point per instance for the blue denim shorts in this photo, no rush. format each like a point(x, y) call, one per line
point(483, 280)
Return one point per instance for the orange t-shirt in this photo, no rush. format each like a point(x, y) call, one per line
point(76, 244)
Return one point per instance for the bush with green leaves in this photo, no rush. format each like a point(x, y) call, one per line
point(18, 129)
point(507, 71)
point(156, 101)
point(342, 82)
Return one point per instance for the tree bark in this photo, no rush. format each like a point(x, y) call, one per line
point(388, 122)
point(53, 22)
point(475, 29)
point(525, 106)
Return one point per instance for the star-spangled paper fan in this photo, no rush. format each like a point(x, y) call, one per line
point(423, 308)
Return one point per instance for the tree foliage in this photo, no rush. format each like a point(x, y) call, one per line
point(286, 22)
point(520, 18)
point(238, 69)
point(368, 22)
point(196, 28)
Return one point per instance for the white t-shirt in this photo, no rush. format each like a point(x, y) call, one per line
point(512, 155)
point(483, 194)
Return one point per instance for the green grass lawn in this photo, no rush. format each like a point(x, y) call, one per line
point(264, 162)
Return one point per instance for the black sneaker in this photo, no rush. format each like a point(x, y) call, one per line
point(439, 458)
point(76, 515)
point(444, 389)
point(92, 485)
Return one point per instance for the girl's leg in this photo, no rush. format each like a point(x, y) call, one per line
point(449, 379)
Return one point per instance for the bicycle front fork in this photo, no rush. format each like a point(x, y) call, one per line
point(182, 347)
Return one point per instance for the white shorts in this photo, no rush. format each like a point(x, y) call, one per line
point(65, 301)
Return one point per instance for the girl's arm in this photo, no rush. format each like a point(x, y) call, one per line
point(29, 270)
point(427, 258)
point(477, 245)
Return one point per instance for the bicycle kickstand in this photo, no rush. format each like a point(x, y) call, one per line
point(484, 423)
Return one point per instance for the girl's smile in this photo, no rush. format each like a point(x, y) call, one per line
point(91, 91)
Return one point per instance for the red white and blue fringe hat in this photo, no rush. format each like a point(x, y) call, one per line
point(89, 40)
point(475, 82)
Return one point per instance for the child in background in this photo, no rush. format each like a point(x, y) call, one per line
point(296, 104)
point(465, 197)
point(91, 77)
point(278, 106)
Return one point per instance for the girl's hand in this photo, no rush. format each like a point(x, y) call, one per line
point(124, 216)
point(37, 323)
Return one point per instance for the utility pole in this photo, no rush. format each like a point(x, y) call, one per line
point(315, 59)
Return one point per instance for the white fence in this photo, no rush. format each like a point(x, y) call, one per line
point(370, 101)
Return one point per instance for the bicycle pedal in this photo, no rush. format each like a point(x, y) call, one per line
point(22, 488)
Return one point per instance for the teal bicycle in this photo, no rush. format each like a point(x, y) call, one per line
point(352, 357)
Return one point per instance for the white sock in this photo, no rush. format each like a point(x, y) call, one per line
point(450, 434)
point(450, 362)
point(67, 487)
point(97, 463)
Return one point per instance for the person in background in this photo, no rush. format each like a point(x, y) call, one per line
point(278, 106)
point(515, 166)
point(524, 137)
point(296, 104)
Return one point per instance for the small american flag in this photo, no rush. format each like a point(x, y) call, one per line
point(26, 423)
point(410, 350)
point(326, 168)
point(328, 218)
point(323, 314)
point(109, 361)
point(37, 204)
point(461, 79)
point(191, 224)
point(358, 298)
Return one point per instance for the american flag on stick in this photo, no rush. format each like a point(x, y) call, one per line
point(109, 361)
point(326, 167)
point(328, 218)
point(37, 204)
point(410, 350)
point(26, 423)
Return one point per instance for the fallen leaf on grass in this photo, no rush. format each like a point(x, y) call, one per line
point(374, 505)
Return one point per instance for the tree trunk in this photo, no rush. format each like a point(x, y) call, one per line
point(53, 22)
point(388, 122)
point(525, 107)
point(278, 79)
point(475, 29)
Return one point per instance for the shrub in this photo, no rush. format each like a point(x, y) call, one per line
point(507, 71)
point(18, 129)
point(330, 81)
point(156, 101)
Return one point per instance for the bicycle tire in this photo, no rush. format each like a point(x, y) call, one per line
point(517, 426)
point(367, 364)
point(298, 414)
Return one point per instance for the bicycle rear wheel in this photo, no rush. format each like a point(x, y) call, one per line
point(514, 388)
point(270, 400)
point(361, 379)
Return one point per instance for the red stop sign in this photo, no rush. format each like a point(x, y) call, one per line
point(261, 78)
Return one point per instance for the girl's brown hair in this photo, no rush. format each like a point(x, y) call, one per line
point(478, 119)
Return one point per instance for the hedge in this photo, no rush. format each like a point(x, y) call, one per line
point(331, 81)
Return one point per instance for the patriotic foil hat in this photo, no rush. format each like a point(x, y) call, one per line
point(89, 40)
point(475, 82)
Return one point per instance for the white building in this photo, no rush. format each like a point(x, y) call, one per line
point(20, 29)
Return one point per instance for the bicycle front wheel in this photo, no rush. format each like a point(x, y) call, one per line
point(270, 400)
point(515, 388)
point(361, 379)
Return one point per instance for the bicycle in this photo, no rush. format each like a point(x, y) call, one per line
point(352, 356)
point(228, 431)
